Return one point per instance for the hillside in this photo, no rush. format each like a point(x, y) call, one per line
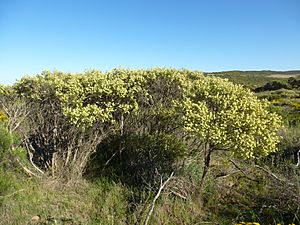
point(254, 79)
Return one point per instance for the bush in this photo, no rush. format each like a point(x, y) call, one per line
point(272, 85)
point(73, 113)
point(295, 83)
point(6, 141)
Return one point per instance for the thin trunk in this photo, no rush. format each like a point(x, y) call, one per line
point(207, 158)
point(298, 158)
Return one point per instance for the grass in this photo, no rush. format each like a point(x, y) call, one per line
point(55, 203)
point(227, 200)
point(47, 201)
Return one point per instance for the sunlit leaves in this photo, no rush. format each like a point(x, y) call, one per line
point(222, 114)
point(231, 118)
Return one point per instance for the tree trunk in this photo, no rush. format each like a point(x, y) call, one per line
point(207, 157)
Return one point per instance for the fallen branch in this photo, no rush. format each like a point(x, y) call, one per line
point(162, 186)
point(227, 175)
point(273, 175)
point(178, 194)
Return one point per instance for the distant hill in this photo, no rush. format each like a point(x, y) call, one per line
point(255, 79)
point(256, 72)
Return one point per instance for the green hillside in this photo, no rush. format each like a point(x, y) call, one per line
point(254, 79)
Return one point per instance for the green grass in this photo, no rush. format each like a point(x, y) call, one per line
point(56, 203)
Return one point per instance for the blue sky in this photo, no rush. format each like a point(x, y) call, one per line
point(206, 35)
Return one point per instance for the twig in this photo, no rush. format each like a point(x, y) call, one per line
point(242, 171)
point(108, 161)
point(178, 194)
point(227, 175)
point(29, 172)
point(4, 196)
point(162, 186)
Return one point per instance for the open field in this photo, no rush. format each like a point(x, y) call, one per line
point(284, 75)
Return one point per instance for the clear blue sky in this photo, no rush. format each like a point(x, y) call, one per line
point(207, 35)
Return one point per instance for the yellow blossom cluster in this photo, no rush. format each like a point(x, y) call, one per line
point(231, 118)
point(220, 113)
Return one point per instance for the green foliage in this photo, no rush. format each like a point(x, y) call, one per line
point(295, 83)
point(251, 194)
point(5, 90)
point(272, 85)
point(171, 210)
point(95, 97)
point(111, 201)
point(51, 204)
point(70, 110)
point(6, 139)
point(142, 158)
point(56, 144)
point(8, 184)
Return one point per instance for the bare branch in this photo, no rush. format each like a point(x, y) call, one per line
point(273, 175)
point(240, 169)
point(29, 146)
point(298, 158)
point(178, 194)
point(29, 172)
point(162, 186)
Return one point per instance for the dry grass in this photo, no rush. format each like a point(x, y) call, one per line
point(283, 75)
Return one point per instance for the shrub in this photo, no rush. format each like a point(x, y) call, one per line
point(6, 141)
point(69, 115)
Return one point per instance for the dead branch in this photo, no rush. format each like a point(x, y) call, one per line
point(28, 171)
point(227, 175)
point(108, 161)
point(162, 186)
point(273, 175)
point(28, 147)
point(242, 171)
point(298, 158)
point(178, 194)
